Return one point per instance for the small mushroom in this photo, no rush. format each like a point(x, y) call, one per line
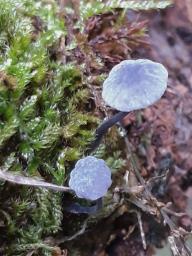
point(91, 178)
point(135, 84)
point(131, 85)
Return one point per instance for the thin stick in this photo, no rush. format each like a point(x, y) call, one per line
point(141, 230)
point(28, 181)
point(135, 168)
point(149, 195)
point(57, 241)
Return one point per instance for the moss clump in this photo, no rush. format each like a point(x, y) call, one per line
point(43, 127)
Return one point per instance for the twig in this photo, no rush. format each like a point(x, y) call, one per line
point(149, 195)
point(141, 230)
point(176, 214)
point(28, 181)
point(173, 246)
point(135, 168)
point(58, 241)
point(130, 231)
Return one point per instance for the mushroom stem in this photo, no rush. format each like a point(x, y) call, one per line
point(103, 128)
point(76, 208)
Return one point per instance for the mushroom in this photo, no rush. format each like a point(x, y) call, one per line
point(91, 178)
point(131, 85)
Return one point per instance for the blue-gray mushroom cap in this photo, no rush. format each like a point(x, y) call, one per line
point(135, 84)
point(91, 178)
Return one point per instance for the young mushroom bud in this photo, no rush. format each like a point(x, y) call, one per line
point(91, 178)
point(131, 85)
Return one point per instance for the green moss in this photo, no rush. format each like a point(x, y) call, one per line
point(43, 123)
point(90, 8)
